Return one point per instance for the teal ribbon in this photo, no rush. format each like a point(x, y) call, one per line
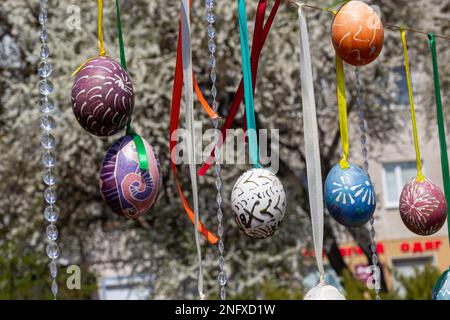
point(248, 88)
point(441, 128)
point(139, 143)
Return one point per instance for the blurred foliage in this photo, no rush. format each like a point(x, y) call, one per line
point(25, 275)
point(269, 290)
point(420, 285)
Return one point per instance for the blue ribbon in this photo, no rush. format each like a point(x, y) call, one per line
point(248, 88)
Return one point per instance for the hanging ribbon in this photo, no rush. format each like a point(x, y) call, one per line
point(101, 47)
point(248, 87)
point(259, 37)
point(174, 119)
point(342, 104)
point(441, 128)
point(189, 114)
point(312, 150)
point(420, 176)
point(123, 60)
point(138, 142)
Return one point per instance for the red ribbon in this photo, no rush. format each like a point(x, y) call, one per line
point(174, 119)
point(259, 37)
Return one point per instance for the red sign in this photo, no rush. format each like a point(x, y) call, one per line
point(405, 247)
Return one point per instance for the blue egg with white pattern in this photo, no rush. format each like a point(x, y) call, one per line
point(441, 290)
point(349, 195)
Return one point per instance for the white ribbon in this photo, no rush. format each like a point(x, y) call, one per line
point(312, 150)
point(189, 118)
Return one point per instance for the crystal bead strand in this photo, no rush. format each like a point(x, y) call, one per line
point(210, 19)
point(48, 142)
point(363, 137)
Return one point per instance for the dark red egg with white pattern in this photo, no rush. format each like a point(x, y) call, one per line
point(102, 97)
point(422, 207)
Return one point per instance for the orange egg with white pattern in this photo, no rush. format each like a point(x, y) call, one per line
point(357, 33)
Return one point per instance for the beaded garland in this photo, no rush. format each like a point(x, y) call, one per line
point(48, 142)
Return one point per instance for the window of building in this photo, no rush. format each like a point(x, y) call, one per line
point(406, 267)
point(394, 177)
point(139, 287)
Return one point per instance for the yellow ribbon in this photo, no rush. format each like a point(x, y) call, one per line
point(420, 176)
point(342, 103)
point(100, 28)
point(101, 47)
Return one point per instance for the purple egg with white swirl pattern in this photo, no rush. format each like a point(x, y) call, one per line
point(126, 189)
point(102, 97)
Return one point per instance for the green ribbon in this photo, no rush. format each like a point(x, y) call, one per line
point(139, 143)
point(123, 61)
point(441, 128)
point(248, 87)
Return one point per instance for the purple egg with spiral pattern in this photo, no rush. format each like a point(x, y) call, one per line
point(126, 189)
point(102, 97)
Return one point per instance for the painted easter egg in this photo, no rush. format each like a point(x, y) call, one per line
point(102, 97)
point(422, 207)
point(441, 290)
point(324, 291)
point(357, 33)
point(126, 189)
point(349, 195)
point(258, 202)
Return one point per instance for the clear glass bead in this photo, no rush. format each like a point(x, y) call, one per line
point(48, 160)
point(375, 260)
point(214, 91)
point(46, 105)
point(47, 123)
point(212, 62)
point(44, 52)
point(213, 75)
point(52, 250)
point(44, 69)
point(211, 31)
point(211, 46)
point(219, 214)
point(45, 87)
point(48, 141)
point(43, 17)
point(51, 213)
point(220, 234)
point(209, 4)
point(42, 3)
point(52, 232)
point(210, 17)
point(221, 246)
point(54, 288)
point(50, 195)
point(223, 293)
point(221, 262)
point(363, 139)
point(366, 166)
point(49, 179)
point(43, 35)
point(53, 269)
point(222, 278)
point(364, 152)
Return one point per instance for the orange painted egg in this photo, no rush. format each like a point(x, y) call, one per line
point(357, 33)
